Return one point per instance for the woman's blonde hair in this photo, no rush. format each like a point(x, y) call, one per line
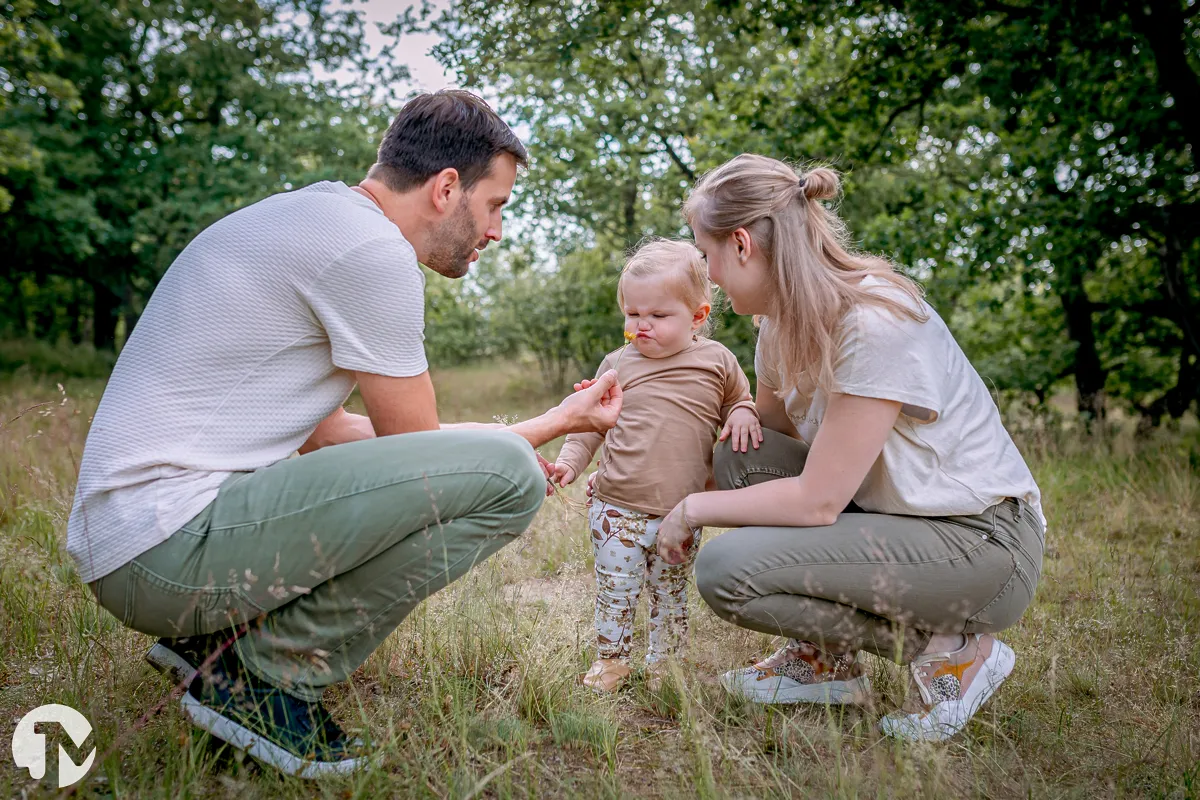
point(654, 257)
point(815, 270)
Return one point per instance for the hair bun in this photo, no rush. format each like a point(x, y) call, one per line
point(821, 183)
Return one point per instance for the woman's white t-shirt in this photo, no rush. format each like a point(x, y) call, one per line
point(948, 453)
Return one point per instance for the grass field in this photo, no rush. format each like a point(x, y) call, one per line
point(476, 694)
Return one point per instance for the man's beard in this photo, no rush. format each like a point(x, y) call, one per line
point(452, 243)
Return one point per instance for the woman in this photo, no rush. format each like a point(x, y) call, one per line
point(885, 508)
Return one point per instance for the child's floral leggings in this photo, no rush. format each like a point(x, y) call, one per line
point(625, 544)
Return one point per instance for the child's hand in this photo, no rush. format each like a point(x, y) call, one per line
point(563, 475)
point(591, 487)
point(741, 428)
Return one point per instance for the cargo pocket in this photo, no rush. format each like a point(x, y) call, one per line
point(160, 607)
point(224, 608)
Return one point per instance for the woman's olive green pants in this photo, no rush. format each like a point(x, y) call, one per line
point(876, 582)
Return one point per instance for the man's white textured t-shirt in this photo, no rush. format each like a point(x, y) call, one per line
point(249, 341)
point(948, 453)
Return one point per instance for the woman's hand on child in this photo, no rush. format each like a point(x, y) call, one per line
point(675, 538)
point(742, 428)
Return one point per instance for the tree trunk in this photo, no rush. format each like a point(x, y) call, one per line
point(130, 312)
point(22, 321)
point(630, 203)
point(1165, 29)
point(105, 306)
point(1176, 286)
point(1090, 375)
point(74, 315)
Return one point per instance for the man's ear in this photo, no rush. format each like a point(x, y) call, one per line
point(743, 244)
point(701, 315)
point(444, 186)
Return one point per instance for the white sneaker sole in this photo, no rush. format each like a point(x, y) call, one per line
point(261, 748)
point(168, 662)
point(827, 693)
point(948, 718)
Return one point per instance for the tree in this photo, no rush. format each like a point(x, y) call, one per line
point(1041, 148)
point(184, 113)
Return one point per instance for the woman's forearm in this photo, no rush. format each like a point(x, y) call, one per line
point(781, 502)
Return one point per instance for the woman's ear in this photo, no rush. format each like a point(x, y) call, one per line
point(743, 244)
point(701, 315)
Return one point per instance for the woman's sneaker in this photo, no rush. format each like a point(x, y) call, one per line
point(800, 672)
point(948, 688)
point(294, 736)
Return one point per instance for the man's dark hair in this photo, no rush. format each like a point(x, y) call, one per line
point(433, 132)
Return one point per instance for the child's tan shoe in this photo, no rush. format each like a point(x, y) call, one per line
point(607, 675)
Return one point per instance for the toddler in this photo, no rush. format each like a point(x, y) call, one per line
point(679, 389)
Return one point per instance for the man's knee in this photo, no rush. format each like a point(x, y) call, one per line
point(524, 487)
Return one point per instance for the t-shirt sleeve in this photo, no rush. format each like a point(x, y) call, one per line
point(891, 358)
point(371, 302)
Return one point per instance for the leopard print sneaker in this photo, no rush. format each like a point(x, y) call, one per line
point(800, 672)
point(948, 688)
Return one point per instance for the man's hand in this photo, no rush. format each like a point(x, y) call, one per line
point(745, 428)
point(594, 407)
point(338, 428)
point(547, 470)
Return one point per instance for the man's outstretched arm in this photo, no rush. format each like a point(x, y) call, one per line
point(405, 405)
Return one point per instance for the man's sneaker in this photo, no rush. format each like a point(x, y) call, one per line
point(948, 688)
point(296, 737)
point(179, 658)
point(800, 672)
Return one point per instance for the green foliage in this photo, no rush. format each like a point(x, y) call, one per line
point(1032, 164)
point(146, 121)
point(566, 318)
point(1037, 156)
point(34, 358)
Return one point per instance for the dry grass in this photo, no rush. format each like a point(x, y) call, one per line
point(476, 694)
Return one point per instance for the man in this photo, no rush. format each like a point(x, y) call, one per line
point(190, 518)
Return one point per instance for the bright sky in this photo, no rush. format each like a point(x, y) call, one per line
point(427, 75)
point(414, 49)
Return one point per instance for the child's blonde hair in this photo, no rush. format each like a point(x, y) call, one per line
point(815, 272)
point(657, 256)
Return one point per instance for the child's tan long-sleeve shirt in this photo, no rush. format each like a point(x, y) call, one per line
point(661, 448)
